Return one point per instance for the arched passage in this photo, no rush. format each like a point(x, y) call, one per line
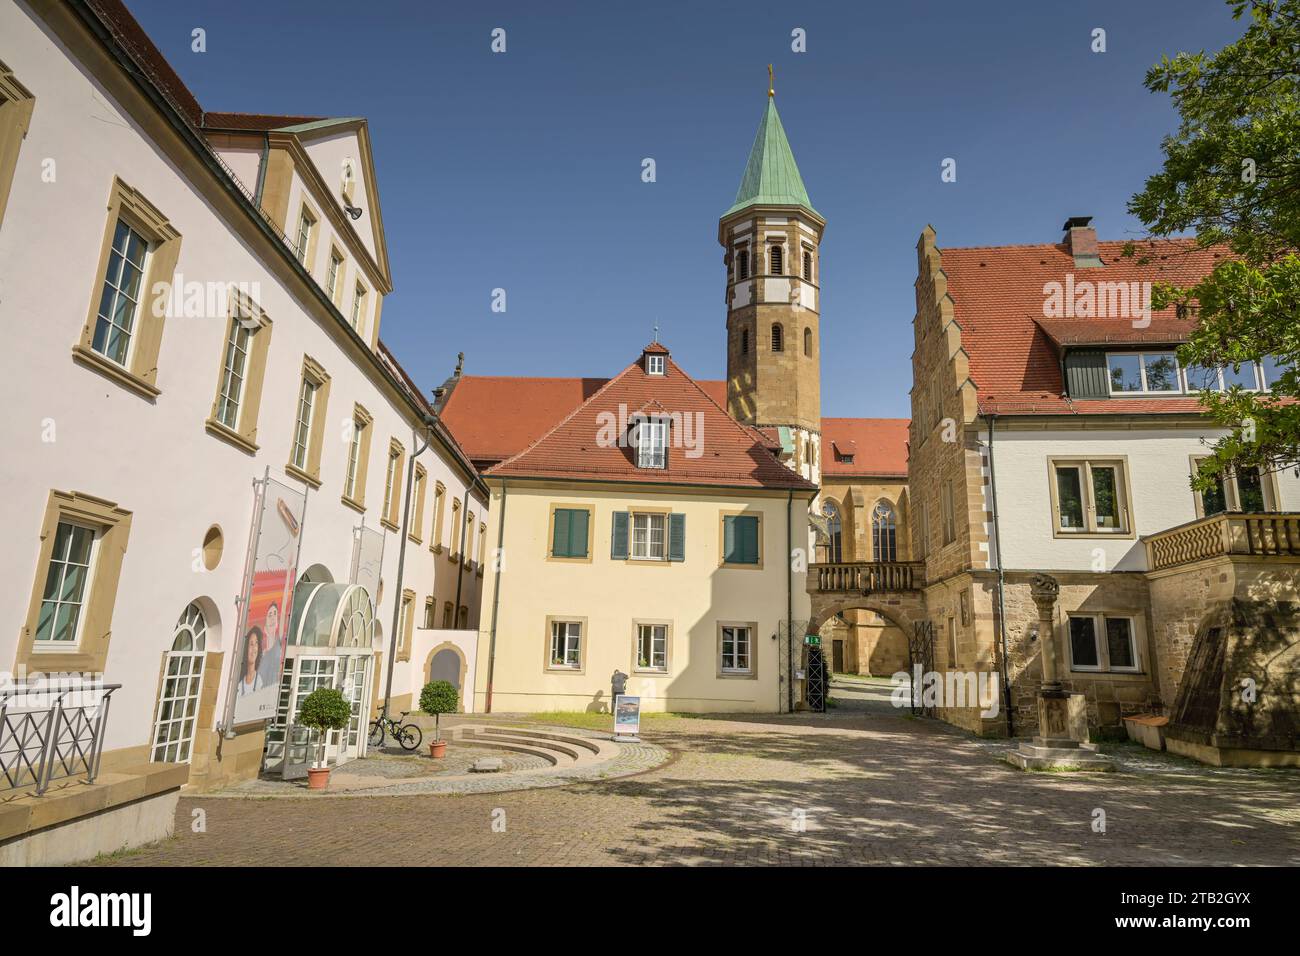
point(447, 662)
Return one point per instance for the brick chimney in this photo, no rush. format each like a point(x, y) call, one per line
point(1081, 240)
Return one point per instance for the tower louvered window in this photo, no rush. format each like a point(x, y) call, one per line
point(778, 267)
point(742, 264)
point(807, 266)
point(778, 337)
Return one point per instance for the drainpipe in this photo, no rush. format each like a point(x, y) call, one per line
point(1002, 603)
point(496, 600)
point(401, 553)
point(789, 603)
point(460, 558)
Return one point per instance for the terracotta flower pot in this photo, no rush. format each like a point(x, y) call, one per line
point(437, 749)
point(318, 778)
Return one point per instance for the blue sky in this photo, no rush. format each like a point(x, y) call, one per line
point(522, 170)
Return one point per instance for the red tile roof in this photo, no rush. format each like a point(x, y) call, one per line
point(878, 446)
point(998, 296)
point(258, 122)
point(716, 450)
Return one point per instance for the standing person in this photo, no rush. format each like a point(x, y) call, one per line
point(268, 670)
point(250, 681)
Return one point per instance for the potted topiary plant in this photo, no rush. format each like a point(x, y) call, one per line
point(323, 710)
point(438, 697)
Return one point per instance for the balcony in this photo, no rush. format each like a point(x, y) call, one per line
point(864, 577)
point(1268, 534)
point(51, 730)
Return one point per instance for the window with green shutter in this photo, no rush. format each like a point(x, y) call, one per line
point(569, 538)
point(740, 539)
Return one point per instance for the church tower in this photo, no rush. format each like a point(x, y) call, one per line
point(771, 238)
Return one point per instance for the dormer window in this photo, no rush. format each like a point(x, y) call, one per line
point(654, 365)
point(652, 444)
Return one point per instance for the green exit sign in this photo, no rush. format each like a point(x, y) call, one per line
point(812, 639)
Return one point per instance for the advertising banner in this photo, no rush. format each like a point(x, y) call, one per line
point(265, 608)
point(627, 716)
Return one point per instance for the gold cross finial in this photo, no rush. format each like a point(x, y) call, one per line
point(771, 84)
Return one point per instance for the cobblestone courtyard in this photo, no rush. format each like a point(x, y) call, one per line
point(869, 788)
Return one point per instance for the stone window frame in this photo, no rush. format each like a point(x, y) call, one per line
point(406, 625)
point(393, 465)
point(752, 673)
point(363, 429)
point(948, 511)
point(744, 270)
point(439, 502)
point(16, 106)
point(340, 274)
point(583, 636)
point(140, 374)
point(430, 612)
point(307, 257)
point(649, 671)
point(482, 544)
point(453, 554)
point(113, 528)
point(243, 435)
point(467, 559)
point(313, 372)
point(1137, 637)
point(1085, 463)
point(448, 615)
point(776, 337)
point(357, 308)
point(419, 484)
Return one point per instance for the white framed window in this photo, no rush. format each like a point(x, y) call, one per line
point(1089, 497)
point(120, 299)
point(178, 694)
point(233, 374)
point(736, 649)
point(566, 645)
point(648, 536)
point(332, 277)
point(302, 427)
point(67, 580)
point(354, 458)
point(1143, 373)
point(306, 222)
point(776, 254)
point(358, 305)
point(1204, 378)
point(654, 365)
point(1104, 643)
point(652, 647)
point(652, 444)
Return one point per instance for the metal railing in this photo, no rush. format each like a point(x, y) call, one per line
point(864, 576)
point(1267, 534)
point(50, 730)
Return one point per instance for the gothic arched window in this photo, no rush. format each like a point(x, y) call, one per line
point(834, 532)
point(807, 342)
point(777, 265)
point(884, 532)
point(778, 337)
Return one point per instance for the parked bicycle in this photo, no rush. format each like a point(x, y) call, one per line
point(407, 735)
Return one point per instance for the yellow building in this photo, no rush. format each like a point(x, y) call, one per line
point(646, 533)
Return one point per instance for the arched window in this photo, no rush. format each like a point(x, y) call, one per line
point(777, 266)
point(807, 342)
point(744, 341)
point(742, 264)
point(807, 266)
point(778, 337)
point(178, 695)
point(834, 532)
point(884, 532)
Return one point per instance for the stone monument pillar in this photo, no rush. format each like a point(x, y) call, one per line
point(1053, 748)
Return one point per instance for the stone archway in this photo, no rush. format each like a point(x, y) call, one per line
point(447, 662)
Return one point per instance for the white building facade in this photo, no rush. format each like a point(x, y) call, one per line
point(200, 299)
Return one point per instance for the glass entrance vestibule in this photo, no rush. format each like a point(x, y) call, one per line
point(331, 644)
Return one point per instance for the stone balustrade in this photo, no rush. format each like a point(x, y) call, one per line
point(1262, 535)
point(867, 576)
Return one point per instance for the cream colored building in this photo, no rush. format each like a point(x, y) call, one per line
point(653, 555)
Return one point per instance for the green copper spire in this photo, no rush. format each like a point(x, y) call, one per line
point(771, 175)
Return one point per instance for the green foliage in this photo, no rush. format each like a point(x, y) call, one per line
point(1231, 175)
point(439, 697)
point(324, 709)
